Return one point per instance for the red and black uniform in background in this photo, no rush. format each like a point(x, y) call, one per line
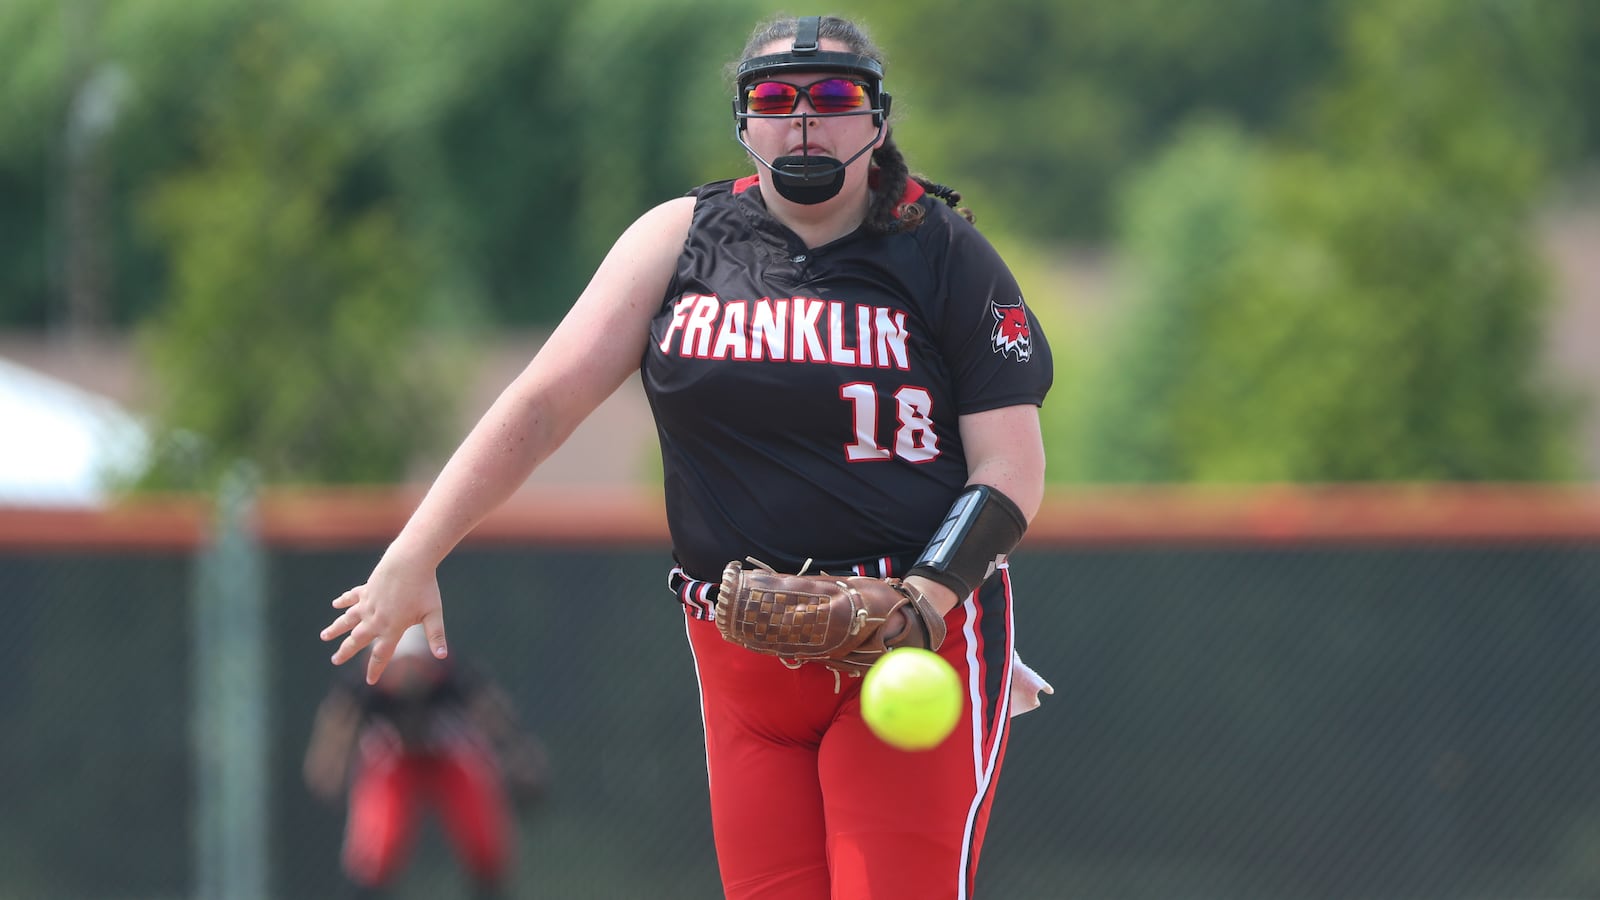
point(807, 403)
point(421, 748)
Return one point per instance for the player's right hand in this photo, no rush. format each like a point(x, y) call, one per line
point(377, 613)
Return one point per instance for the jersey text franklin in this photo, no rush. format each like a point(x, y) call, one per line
point(794, 329)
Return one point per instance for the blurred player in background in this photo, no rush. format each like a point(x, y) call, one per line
point(431, 737)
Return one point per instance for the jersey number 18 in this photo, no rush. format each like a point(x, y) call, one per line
point(914, 437)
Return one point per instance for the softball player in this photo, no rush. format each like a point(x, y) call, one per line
point(843, 373)
point(432, 737)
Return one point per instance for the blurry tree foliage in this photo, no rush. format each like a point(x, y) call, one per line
point(1035, 108)
point(519, 137)
point(33, 104)
point(294, 335)
point(579, 118)
point(1365, 303)
point(499, 146)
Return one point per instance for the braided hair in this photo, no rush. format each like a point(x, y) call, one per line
point(886, 213)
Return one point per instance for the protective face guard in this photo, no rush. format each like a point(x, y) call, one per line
point(809, 179)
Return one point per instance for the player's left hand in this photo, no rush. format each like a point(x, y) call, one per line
point(377, 613)
point(1026, 686)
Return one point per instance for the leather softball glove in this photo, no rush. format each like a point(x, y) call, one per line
point(843, 622)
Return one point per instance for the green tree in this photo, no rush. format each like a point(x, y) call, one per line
point(133, 70)
point(295, 334)
point(522, 134)
point(577, 120)
point(1037, 108)
point(1189, 218)
point(33, 100)
point(1365, 305)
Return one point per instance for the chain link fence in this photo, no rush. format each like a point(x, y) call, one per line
point(1241, 719)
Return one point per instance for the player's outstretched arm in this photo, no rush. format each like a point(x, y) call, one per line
point(594, 349)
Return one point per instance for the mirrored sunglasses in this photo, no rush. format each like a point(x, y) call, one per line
point(830, 95)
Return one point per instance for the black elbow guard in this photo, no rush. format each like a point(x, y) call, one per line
point(983, 525)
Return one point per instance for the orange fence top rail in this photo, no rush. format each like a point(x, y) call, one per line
point(1343, 514)
point(1272, 515)
point(333, 519)
point(166, 525)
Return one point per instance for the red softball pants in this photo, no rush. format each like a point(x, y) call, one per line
point(392, 790)
point(806, 804)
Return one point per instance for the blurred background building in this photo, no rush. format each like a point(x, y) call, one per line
point(67, 443)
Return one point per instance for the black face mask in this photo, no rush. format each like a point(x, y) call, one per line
point(807, 180)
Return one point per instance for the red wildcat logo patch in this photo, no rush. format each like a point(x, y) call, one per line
point(1011, 333)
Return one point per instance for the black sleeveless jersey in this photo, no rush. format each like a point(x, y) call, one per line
point(806, 400)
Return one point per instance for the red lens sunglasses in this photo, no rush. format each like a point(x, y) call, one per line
point(830, 95)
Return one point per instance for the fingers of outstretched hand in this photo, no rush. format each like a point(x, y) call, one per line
point(350, 619)
point(378, 658)
point(433, 627)
point(359, 624)
point(383, 646)
point(377, 613)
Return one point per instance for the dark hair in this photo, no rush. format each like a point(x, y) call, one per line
point(885, 212)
